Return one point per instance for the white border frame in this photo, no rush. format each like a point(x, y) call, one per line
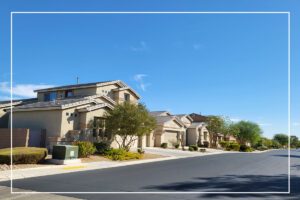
point(163, 12)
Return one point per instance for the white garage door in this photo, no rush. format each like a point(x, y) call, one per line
point(170, 137)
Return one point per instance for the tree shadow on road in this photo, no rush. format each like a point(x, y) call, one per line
point(236, 183)
point(229, 183)
point(292, 156)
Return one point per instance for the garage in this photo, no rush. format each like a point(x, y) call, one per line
point(170, 137)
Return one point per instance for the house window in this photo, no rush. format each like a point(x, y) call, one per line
point(205, 135)
point(126, 97)
point(50, 96)
point(68, 93)
point(98, 126)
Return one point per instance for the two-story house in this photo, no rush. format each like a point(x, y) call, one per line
point(65, 109)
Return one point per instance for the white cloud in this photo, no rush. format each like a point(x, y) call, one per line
point(141, 47)
point(235, 119)
point(265, 124)
point(139, 78)
point(21, 90)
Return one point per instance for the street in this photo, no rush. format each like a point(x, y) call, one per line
point(234, 172)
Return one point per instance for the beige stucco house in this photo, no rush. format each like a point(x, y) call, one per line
point(197, 134)
point(69, 109)
point(169, 130)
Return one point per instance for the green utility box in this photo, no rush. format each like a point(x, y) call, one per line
point(64, 152)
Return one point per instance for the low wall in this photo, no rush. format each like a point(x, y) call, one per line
point(20, 137)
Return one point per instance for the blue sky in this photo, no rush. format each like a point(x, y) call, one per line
point(231, 65)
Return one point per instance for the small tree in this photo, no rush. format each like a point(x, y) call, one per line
point(294, 141)
point(282, 139)
point(248, 132)
point(215, 125)
point(129, 121)
point(229, 128)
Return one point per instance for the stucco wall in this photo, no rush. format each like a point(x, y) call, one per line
point(186, 121)
point(85, 91)
point(70, 121)
point(160, 136)
point(49, 120)
point(114, 144)
point(119, 96)
point(192, 136)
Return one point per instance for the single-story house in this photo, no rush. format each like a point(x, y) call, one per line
point(169, 130)
point(197, 134)
point(230, 138)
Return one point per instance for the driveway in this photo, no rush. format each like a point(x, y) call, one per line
point(179, 152)
point(234, 172)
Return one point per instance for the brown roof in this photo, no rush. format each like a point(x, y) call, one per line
point(198, 118)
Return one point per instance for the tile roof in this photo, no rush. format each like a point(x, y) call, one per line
point(15, 102)
point(79, 85)
point(163, 119)
point(198, 117)
point(157, 113)
point(196, 124)
point(48, 104)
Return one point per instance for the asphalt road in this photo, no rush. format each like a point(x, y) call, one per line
point(236, 172)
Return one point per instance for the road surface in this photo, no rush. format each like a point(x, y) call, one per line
point(236, 172)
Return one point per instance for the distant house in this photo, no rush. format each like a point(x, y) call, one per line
point(197, 134)
point(170, 130)
point(230, 138)
point(69, 109)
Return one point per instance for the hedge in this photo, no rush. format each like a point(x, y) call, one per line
point(23, 155)
point(164, 145)
point(85, 148)
point(102, 147)
point(194, 147)
point(245, 148)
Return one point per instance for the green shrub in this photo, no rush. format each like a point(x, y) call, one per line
point(195, 147)
point(233, 146)
point(224, 144)
point(176, 146)
point(205, 144)
point(122, 154)
point(191, 148)
point(245, 148)
point(262, 148)
point(102, 147)
point(140, 151)
point(276, 144)
point(23, 155)
point(164, 145)
point(85, 148)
